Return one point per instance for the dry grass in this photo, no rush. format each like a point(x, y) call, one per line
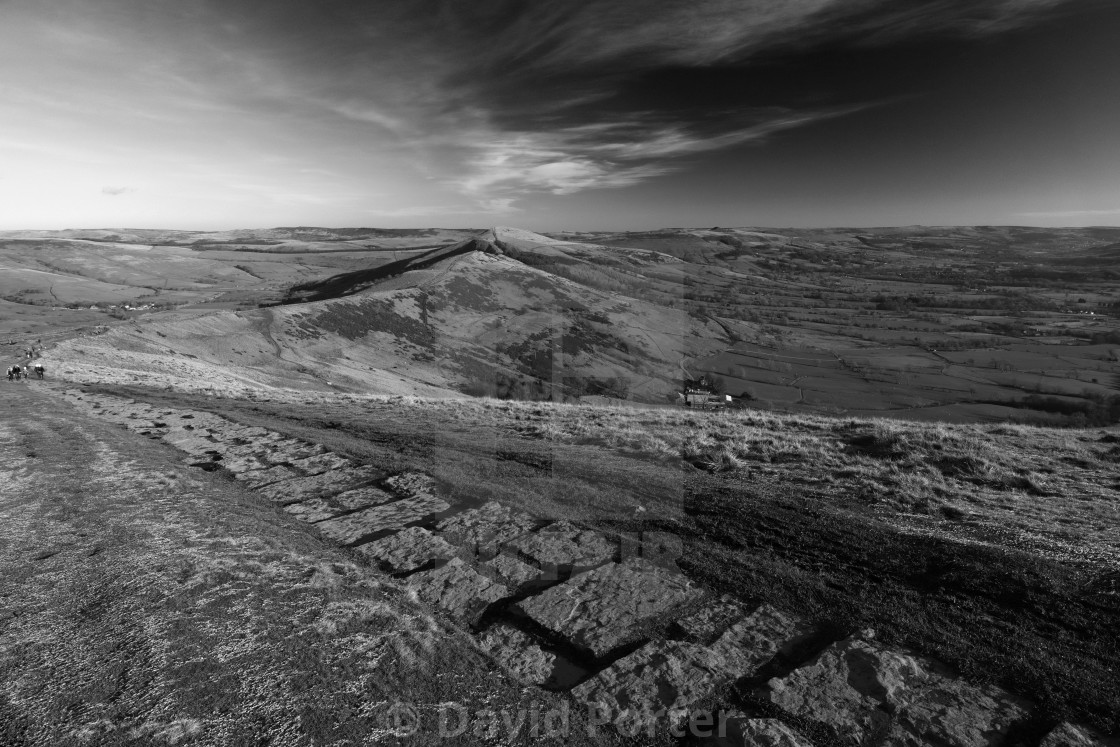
point(143, 602)
point(990, 548)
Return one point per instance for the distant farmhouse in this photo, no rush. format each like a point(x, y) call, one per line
point(702, 393)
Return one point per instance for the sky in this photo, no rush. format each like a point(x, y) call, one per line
point(578, 115)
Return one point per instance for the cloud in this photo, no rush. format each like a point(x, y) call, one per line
point(500, 167)
point(636, 34)
point(554, 98)
point(447, 101)
point(1069, 213)
point(424, 211)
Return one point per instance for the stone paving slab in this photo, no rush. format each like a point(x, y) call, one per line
point(316, 509)
point(197, 419)
point(516, 574)
point(712, 619)
point(230, 431)
point(860, 689)
point(412, 483)
point(739, 730)
point(518, 654)
point(387, 517)
point(953, 712)
point(564, 545)
point(603, 609)
point(317, 486)
point(289, 451)
point(234, 450)
point(239, 464)
point(319, 463)
point(483, 529)
point(1066, 734)
point(759, 637)
point(192, 442)
point(458, 589)
point(258, 478)
point(668, 678)
point(408, 549)
point(363, 497)
point(658, 683)
point(320, 509)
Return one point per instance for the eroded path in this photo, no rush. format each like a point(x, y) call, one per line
point(609, 622)
point(146, 602)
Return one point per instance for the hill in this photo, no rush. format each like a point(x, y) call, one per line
point(963, 324)
point(461, 319)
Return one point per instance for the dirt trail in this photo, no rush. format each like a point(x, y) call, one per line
point(142, 601)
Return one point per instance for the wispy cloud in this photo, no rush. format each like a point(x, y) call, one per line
point(1069, 213)
point(428, 211)
point(454, 106)
point(548, 109)
point(499, 167)
point(646, 33)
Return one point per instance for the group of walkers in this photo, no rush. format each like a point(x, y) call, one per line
point(17, 372)
point(26, 369)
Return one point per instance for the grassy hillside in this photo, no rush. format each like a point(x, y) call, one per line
point(465, 319)
point(993, 548)
point(145, 602)
point(966, 324)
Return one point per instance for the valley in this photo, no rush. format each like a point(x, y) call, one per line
point(956, 324)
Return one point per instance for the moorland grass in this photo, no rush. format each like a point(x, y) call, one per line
point(988, 547)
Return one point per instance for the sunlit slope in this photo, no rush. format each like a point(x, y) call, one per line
point(461, 319)
point(388, 237)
